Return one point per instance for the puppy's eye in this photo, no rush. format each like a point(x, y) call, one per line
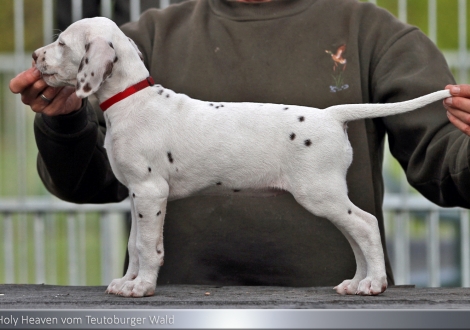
point(61, 43)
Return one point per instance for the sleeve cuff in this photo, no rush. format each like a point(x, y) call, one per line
point(70, 123)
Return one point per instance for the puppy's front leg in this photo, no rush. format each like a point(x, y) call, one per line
point(133, 268)
point(149, 201)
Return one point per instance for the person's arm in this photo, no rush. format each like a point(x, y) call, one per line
point(72, 161)
point(432, 151)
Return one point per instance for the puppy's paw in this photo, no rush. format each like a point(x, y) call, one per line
point(372, 286)
point(117, 283)
point(137, 288)
point(347, 287)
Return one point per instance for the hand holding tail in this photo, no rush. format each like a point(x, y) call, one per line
point(458, 107)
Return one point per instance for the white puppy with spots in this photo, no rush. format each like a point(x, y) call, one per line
point(163, 145)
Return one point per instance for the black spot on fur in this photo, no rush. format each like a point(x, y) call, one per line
point(308, 143)
point(108, 70)
point(349, 211)
point(111, 45)
point(236, 190)
point(167, 95)
point(159, 252)
point(301, 118)
point(133, 195)
point(217, 107)
point(87, 46)
point(150, 170)
point(140, 215)
point(219, 183)
point(212, 104)
point(159, 212)
point(86, 60)
point(78, 86)
point(286, 108)
point(87, 88)
point(92, 74)
point(160, 92)
point(292, 136)
point(170, 158)
point(82, 80)
point(80, 67)
point(44, 52)
point(115, 59)
point(221, 105)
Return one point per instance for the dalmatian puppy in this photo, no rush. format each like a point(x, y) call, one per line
point(163, 145)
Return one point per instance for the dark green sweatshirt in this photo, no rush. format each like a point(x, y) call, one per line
point(314, 53)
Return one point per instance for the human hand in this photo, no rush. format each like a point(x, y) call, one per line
point(51, 101)
point(458, 107)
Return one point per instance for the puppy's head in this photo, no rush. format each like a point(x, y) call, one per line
point(84, 55)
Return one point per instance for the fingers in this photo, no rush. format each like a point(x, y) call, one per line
point(24, 80)
point(459, 90)
point(32, 94)
point(31, 86)
point(65, 101)
point(49, 93)
point(458, 107)
point(461, 125)
point(36, 100)
point(55, 101)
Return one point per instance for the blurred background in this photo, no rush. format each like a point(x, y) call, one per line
point(45, 240)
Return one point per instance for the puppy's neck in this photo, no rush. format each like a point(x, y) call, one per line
point(120, 80)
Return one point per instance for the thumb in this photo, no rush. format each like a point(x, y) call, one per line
point(24, 80)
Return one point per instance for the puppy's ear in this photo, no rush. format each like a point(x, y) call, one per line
point(136, 49)
point(95, 66)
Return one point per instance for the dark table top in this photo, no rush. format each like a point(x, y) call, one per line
point(16, 296)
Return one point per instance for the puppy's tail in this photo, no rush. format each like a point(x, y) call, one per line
point(349, 112)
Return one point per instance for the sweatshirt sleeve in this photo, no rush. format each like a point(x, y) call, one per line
point(432, 151)
point(72, 161)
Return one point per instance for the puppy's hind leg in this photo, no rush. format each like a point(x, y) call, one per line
point(376, 280)
point(133, 268)
point(350, 286)
point(359, 227)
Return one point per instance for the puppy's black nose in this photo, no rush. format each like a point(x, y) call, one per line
point(35, 57)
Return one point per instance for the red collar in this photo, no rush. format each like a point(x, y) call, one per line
point(127, 92)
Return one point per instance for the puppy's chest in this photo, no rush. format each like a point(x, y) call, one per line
point(131, 148)
point(115, 153)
